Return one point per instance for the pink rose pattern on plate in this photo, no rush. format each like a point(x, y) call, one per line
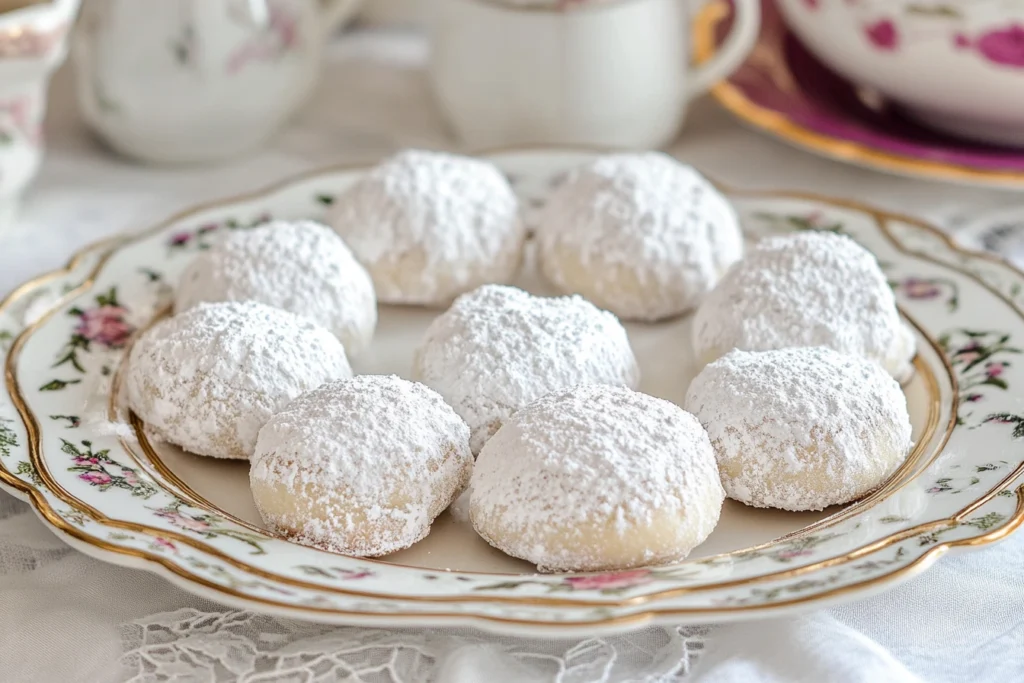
point(607, 583)
point(919, 289)
point(105, 326)
point(611, 581)
point(206, 525)
point(98, 469)
point(981, 359)
point(202, 236)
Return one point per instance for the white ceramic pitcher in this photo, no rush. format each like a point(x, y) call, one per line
point(593, 72)
point(182, 81)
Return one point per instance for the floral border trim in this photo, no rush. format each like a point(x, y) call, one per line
point(620, 586)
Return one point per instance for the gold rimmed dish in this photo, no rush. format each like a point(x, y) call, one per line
point(103, 485)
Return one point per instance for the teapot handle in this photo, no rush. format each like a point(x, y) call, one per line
point(334, 13)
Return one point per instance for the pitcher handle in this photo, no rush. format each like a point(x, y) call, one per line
point(334, 13)
point(741, 39)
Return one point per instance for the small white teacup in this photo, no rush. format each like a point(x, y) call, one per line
point(590, 72)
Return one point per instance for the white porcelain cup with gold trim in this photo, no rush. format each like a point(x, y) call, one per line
point(590, 72)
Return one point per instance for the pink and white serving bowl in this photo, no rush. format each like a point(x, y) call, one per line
point(954, 65)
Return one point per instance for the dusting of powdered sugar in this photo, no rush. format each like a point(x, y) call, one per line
point(806, 289)
point(498, 348)
point(102, 416)
point(430, 226)
point(301, 267)
point(459, 509)
point(361, 466)
point(638, 234)
point(801, 428)
point(594, 454)
point(207, 379)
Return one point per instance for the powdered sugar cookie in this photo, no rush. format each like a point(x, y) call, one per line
point(597, 478)
point(498, 348)
point(301, 267)
point(801, 428)
point(361, 466)
point(640, 235)
point(207, 379)
point(806, 289)
point(430, 226)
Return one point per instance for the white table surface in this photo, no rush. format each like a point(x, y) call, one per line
point(65, 617)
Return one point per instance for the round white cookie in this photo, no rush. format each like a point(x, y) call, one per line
point(801, 428)
point(806, 289)
point(209, 378)
point(640, 235)
point(361, 466)
point(597, 478)
point(430, 226)
point(498, 348)
point(301, 267)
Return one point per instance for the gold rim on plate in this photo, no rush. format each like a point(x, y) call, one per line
point(55, 520)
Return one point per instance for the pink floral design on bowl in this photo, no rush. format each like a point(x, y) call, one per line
point(785, 89)
point(883, 34)
point(956, 67)
point(1004, 46)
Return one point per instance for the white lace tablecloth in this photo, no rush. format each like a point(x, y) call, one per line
point(67, 618)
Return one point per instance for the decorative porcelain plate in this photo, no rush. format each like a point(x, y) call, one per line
point(108, 490)
point(786, 91)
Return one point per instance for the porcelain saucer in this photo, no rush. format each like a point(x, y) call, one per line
point(786, 91)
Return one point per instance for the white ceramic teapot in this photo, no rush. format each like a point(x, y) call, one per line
point(182, 81)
